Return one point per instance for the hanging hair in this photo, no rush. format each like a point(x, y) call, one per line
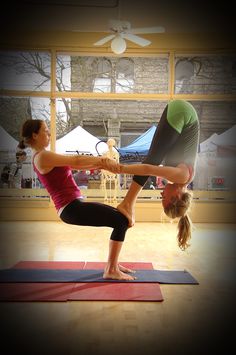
point(29, 127)
point(179, 208)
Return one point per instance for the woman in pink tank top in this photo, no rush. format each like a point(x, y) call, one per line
point(55, 173)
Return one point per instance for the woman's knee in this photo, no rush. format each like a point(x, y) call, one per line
point(120, 229)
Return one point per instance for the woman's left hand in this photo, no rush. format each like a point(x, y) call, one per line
point(110, 165)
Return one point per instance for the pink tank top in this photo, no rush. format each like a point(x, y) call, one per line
point(60, 184)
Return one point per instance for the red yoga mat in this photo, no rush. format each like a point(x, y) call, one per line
point(79, 291)
point(35, 291)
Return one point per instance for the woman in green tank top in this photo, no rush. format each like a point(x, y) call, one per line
point(172, 155)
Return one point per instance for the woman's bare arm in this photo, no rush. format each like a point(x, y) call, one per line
point(47, 160)
point(179, 174)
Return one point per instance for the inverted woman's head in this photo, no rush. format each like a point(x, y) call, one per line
point(175, 200)
point(34, 133)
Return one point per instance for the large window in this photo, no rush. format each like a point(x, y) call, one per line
point(29, 71)
point(205, 74)
point(25, 82)
point(147, 75)
point(87, 97)
point(99, 117)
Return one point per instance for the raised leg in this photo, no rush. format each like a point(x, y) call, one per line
point(127, 206)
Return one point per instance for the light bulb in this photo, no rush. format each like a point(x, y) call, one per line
point(118, 45)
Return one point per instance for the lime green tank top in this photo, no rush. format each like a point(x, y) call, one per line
point(181, 114)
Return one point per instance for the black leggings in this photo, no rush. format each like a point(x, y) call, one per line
point(163, 140)
point(96, 215)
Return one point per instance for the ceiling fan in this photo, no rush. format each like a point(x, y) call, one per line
point(121, 30)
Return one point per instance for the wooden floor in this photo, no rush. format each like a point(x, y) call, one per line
point(191, 319)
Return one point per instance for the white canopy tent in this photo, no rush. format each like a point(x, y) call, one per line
point(81, 141)
point(225, 139)
point(209, 144)
point(217, 161)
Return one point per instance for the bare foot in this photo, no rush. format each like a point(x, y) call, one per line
point(117, 275)
point(126, 210)
point(126, 270)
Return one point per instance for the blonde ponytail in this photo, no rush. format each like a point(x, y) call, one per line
point(179, 208)
point(184, 232)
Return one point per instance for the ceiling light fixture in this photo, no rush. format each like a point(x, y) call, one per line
point(118, 45)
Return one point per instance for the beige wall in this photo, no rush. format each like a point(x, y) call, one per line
point(207, 206)
point(202, 212)
point(83, 42)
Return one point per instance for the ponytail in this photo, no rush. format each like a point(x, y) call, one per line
point(179, 208)
point(184, 232)
point(22, 145)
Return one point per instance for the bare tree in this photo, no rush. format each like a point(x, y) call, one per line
point(37, 65)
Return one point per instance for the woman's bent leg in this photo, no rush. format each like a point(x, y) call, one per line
point(127, 206)
point(101, 215)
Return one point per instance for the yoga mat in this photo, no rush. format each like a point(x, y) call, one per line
point(21, 292)
point(77, 265)
point(93, 275)
point(104, 291)
point(50, 265)
point(35, 291)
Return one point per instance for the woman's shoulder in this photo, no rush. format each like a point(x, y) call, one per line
point(44, 161)
point(39, 154)
point(46, 155)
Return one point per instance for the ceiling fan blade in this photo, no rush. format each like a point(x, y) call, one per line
point(136, 39)
point(104, 40)
point(158, 29)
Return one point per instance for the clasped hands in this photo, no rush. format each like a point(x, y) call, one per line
point(111, 165)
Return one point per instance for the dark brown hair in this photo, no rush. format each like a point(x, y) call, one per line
point(28, 128)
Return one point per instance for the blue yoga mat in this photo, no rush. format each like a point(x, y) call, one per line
point(85, 275)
